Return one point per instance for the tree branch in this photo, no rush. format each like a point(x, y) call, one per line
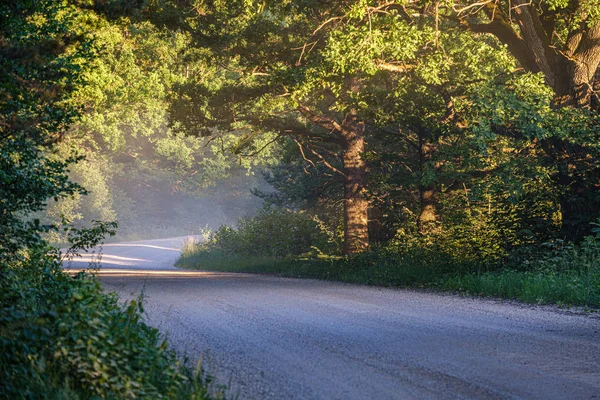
point(324, 122)
point(392, 67)
point(324, 161)
point(500, 27)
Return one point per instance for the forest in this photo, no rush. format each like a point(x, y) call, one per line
point(446, 144)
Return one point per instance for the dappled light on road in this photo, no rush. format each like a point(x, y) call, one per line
point(107, 259)
point(162, 273)
point(141, 245)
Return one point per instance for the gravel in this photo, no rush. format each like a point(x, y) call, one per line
point(277, 338)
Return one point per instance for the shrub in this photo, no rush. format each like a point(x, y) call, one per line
point(62, 337)
point(276, 233)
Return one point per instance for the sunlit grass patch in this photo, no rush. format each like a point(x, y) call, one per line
point(569, 288)
point(567, 276)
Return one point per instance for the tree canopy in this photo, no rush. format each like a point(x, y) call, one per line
point(395, 117)
point(441, 88)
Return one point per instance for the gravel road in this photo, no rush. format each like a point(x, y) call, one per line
point(275, 338)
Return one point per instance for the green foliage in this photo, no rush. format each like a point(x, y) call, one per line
point(272, 233)
point(61, 334)
point(38, 63)
point(550, 147)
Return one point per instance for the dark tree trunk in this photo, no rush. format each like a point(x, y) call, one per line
point(356, 206)
point(576, 74)
point(350, 136)
point(427, 200)
point(427, 214)
point(568, 69)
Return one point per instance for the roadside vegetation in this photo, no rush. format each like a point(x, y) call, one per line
point(62, 337)
point(274, 242)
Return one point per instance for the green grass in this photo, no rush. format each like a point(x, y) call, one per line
point(571, 278)
point(364, 271)
point(567, 288)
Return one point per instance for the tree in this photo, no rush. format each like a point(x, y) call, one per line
point(328, 76)
point(560, 39)
point(40, 57)
point(269, 89)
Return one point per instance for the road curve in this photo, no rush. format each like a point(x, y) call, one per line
point(275, 338)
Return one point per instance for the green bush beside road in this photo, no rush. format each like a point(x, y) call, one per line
point(62, 337)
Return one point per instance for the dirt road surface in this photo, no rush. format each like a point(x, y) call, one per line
point(275, 338)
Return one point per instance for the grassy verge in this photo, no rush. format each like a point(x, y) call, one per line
point(568, 288)
point(569, 277)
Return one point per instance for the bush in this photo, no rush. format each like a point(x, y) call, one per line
point(62, 337)
point(275, 233)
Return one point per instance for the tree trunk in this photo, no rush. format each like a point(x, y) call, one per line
point(427, 215)
point(568, 69)
point(428, 207)
point(350, 135)
point(356, 206)
point(579, 73)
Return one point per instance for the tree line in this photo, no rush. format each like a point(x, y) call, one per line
point(385, 120)
point(424, 118)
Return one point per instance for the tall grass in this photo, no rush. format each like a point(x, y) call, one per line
point(564, 274)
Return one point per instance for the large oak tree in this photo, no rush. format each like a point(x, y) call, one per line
point(330, 75)
point(560, 39)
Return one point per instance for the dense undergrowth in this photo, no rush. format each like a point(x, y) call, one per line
point(62, 337)
point(557, 272)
